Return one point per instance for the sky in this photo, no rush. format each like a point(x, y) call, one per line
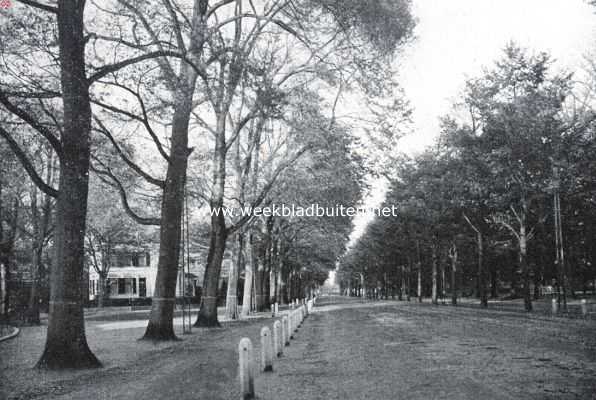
point(456, 39)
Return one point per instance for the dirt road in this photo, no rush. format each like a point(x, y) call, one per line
point(346, 350)
point(411, 351)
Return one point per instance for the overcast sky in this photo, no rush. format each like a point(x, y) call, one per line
point(455, 39)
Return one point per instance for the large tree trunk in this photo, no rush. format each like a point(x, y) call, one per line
point(434, 276)
point(419, 286)
point(7, 241)
point(232, 291)
point(408, 280)
point(453, 256)
point(279, 282)
point(40, 229)
point(66, 344)
point(208, 313)
point(218, 233)
point(525, 270)
point(260, 287)
point(3, 289)
point(481, 272)
point(33, 307)
point(102, 292)
point(443, 284)
point(160, 326)
point(248, 278)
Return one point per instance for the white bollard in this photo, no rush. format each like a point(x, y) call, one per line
point(245, 370)
point(276, 308)
point(286, 330)
point(584, 307)
point(278, 343)
point(266, 350)
point(554, 306)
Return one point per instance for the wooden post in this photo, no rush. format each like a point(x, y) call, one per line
point(266, 350)
point(278, 343)
point(286, 330)
point(554, 306)
point(245, 370)
point(584, 307)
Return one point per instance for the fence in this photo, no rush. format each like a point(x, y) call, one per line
point(272, 345)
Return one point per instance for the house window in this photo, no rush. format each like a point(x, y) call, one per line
point(135, 259)
point(134, 285)
point(147, 259)
point(142, 287)
point(121, 286)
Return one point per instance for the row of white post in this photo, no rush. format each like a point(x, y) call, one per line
point(583, 306)
point(271, 345)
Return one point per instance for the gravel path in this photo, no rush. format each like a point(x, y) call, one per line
point(346, 350)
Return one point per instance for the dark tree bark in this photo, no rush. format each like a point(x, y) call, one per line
point(481, 272)
point(232, 290)
point(208, 313)
point(7, 242)
point(435, 291)
point(482, 291)
point(453, 256)
point(160, 326)
point(525, 269)
point(66, 344)
point(41, 227)
point(161, 318)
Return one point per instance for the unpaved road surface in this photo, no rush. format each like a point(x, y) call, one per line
point(412, 351)
point(346, 350)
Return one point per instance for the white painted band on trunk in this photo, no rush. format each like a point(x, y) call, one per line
point(69, 303)
point(163, 299)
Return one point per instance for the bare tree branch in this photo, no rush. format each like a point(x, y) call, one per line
point(39, 6)
point(28, 118)
point(102, 129)
point(144, 120)
point(108, 69)
point(109, 178)
point(26, 163)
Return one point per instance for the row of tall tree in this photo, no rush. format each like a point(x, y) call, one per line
point(160, 100)
point(503, 204)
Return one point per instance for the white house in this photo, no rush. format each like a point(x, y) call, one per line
point(133, 273)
